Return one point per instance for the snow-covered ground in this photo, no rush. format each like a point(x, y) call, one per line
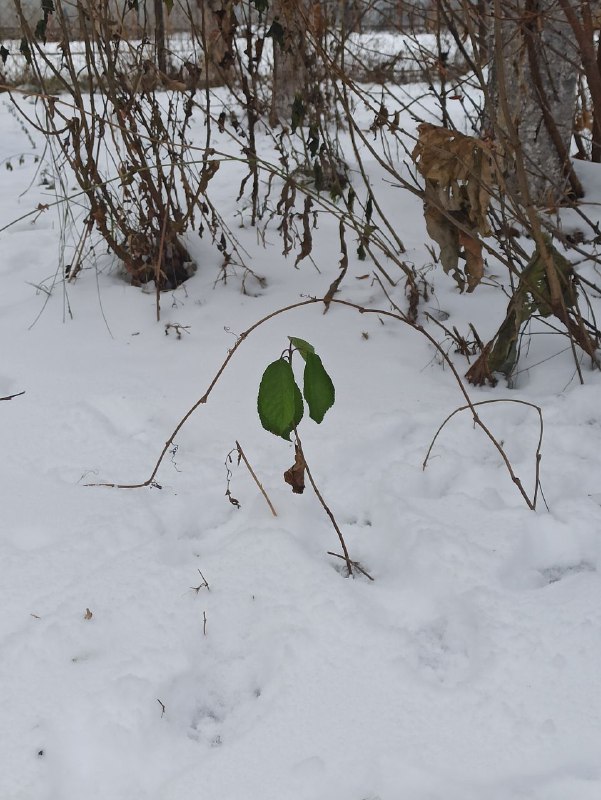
point(163, 644)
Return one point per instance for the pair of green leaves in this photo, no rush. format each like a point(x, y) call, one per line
point(280, 402)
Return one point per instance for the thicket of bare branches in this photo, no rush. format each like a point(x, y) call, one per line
point(520, 78)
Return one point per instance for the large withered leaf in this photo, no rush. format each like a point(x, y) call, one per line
point(459, 173)
point(446, 236)
point(474, 264)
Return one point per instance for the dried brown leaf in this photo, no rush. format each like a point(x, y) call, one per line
point(171, 84)
point(459, 173)
point(445, 234)
point(307, 241)
point(295, 476)
point(207, 174)
point(474, 268)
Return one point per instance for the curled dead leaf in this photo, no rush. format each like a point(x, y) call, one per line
point(295, 476)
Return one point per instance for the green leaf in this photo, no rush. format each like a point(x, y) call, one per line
point(168, 5)
point(280, 403)
point(299, 409)
point(302, 346)
point(318, 388)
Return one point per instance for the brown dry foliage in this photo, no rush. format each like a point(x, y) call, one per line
point(295, 476)
point(459, 173)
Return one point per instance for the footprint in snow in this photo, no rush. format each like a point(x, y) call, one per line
point(443, 652)
point(205, 726)
point(557, 573)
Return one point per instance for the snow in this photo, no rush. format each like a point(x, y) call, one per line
point(469, 667)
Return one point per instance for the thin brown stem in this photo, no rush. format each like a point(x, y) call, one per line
point(399, 316)
point(254, 477)
point(202, 400)
point(325, 506)
point(157, 276)
point(500, 449)
point(355, 564)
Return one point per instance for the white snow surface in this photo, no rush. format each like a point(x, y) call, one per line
point(468, 669)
